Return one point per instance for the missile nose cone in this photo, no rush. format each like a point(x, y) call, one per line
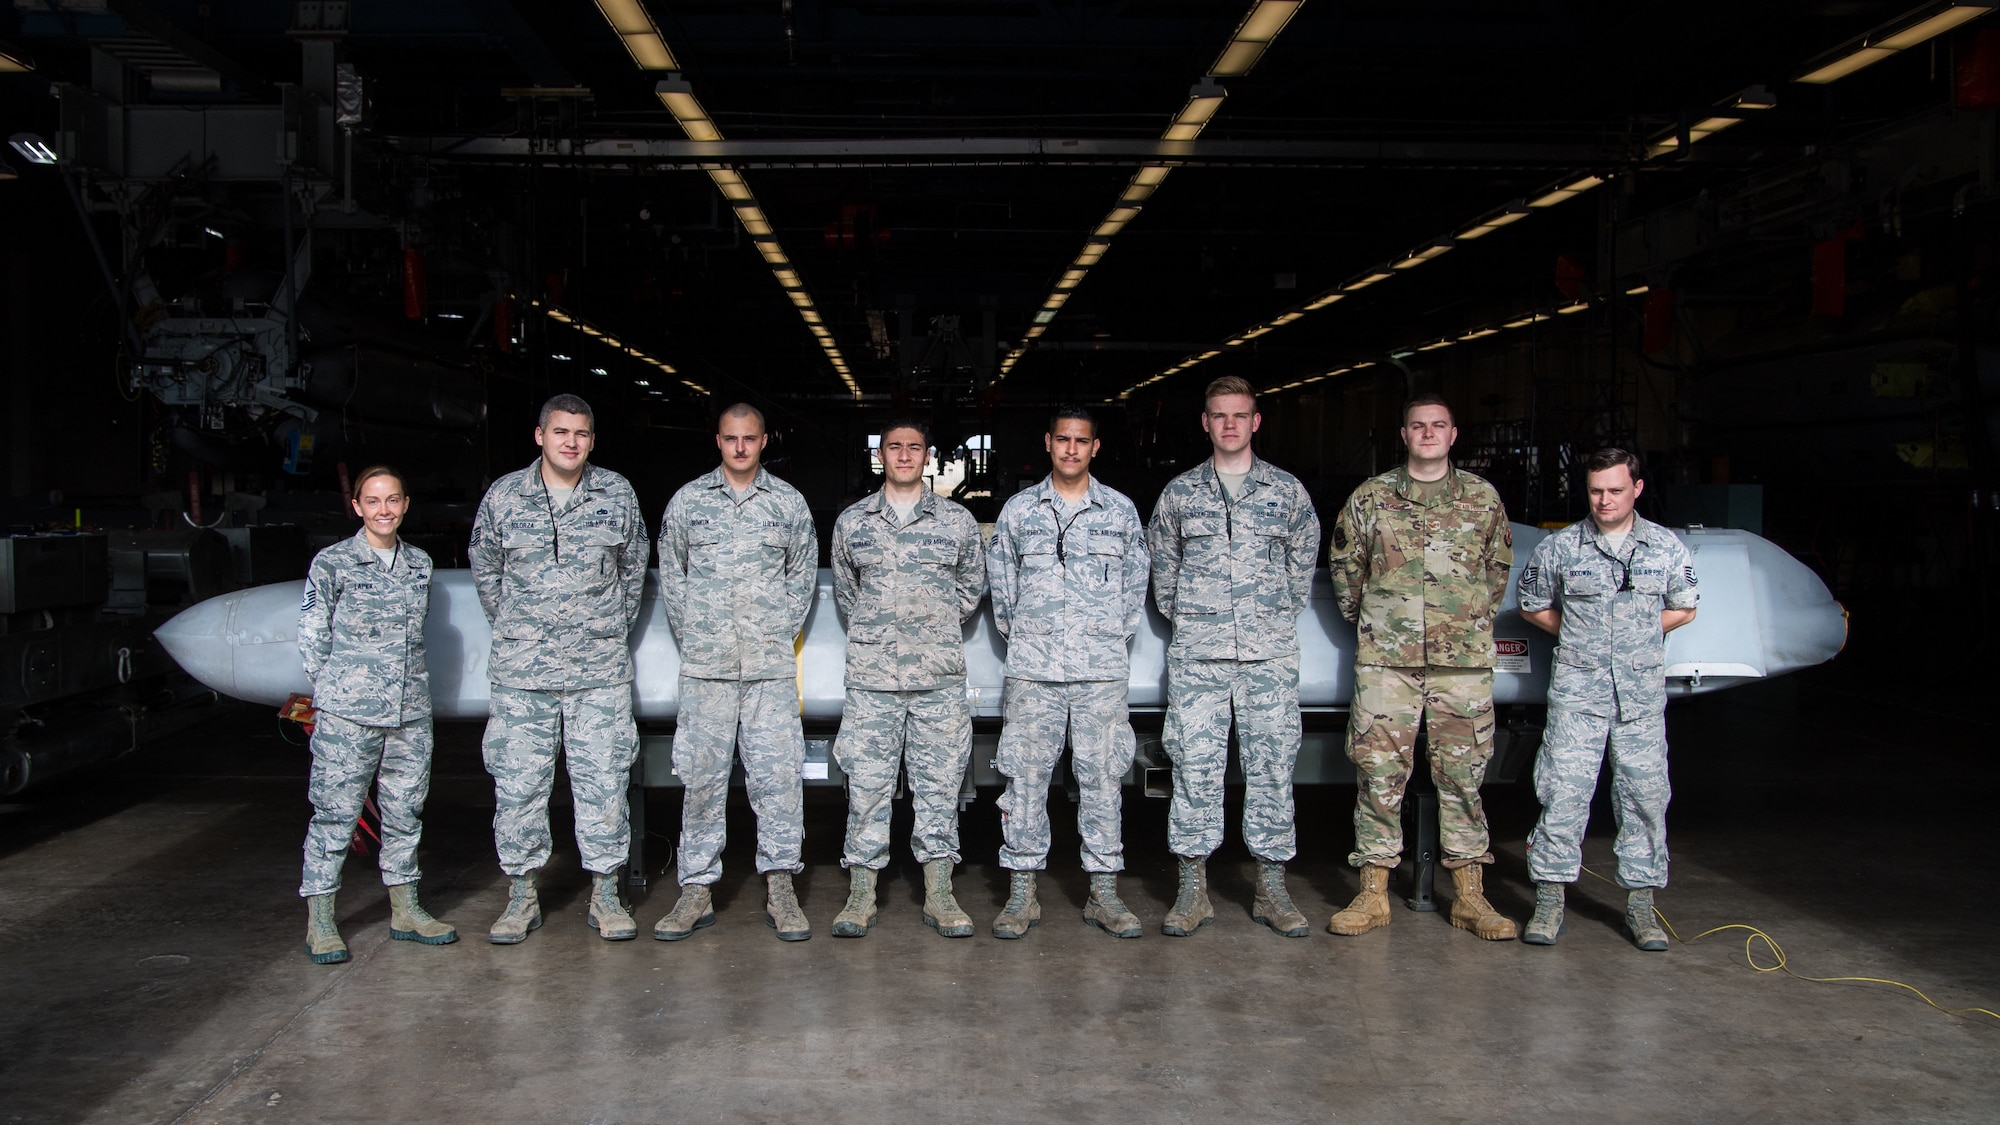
point(1810, 627)
point(243, 644)
point(198, 640)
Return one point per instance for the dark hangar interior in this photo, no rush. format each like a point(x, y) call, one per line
point(252, 247)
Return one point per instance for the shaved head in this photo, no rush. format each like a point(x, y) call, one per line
point(744, 410)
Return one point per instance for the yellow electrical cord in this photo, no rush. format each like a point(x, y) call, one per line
point(1783, 962)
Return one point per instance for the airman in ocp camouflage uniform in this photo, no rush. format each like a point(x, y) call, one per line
point(1419, 560)
point(558, 553)
point(361, 637)
point(738, 566)
point(1233, 542)
point(908, 572)
point(1610, 587)
point(1068, 567)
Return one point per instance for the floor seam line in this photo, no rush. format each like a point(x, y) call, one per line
point(242, 1067)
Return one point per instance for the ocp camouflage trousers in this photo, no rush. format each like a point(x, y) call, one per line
point(759, 721)
point(1455, 706)
point(1566, 767)
point(1263, 695)
point(1038, 714)
point(593, 729)
point(346, 758)
point(929, 734)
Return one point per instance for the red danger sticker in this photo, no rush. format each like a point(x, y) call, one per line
point(1510, 646)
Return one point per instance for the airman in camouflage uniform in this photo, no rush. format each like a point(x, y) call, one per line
point(1419, 559)
point(361, 636)
point(1068, 575)
point(905, 583)
point(558, 553)
point(1233, 542)
point(738, 566)
point(1610, 587)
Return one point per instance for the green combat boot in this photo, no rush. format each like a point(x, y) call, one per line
point(409, 921)
point(1471, 911)
point(1547, 924)
point(691, 912)
point(1370, 908)
point(941, 912)
point(323, 942)
point(1191, 910)
point(859, 913)
point(608, 915)
point(522, 916)
point(781, 908)
point(1273, 903)
point(1022, 911)
point(1105, 910)
point(1642, 925)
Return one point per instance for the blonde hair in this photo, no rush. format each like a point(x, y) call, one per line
point(1230, 385)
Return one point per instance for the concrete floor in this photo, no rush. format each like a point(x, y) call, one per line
point(151, 964)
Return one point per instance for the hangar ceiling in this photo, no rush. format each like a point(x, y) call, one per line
point(931, 170)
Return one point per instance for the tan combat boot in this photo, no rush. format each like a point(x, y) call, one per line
point(1022, 911)
point(1273, 903)
point(409, 921)
point(941, 912)
point(781, 908)
point(323, 942)
point(523, 913)
point(691, 912)
point(859, 913)
point(608, 915)
point(1191, 910)
point(1547, 924)
point(1471, 911)
point(1642, 925)
point(1370, 908)
point(1105, 910)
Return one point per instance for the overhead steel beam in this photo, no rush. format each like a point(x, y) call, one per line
point(1025, 150)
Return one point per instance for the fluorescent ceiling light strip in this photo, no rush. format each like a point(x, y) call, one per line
point(675, 93)
point(1266, 19)
point(1254, 35)
point(1263, 21)
point(1199, 110)
point(33, 149)
point(639, 33)
point(730, 182)
point(1841, 68)
point(1936, 25)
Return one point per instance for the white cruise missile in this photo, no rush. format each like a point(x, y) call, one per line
point(1763, 613)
